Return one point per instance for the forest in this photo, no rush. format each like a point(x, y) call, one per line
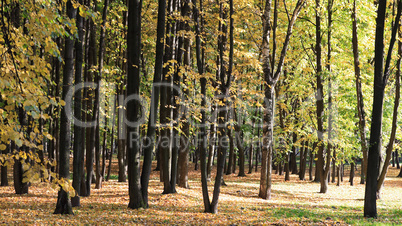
point(195, 112)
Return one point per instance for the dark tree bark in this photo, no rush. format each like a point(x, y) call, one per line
point(4, 171)
point(79, 141)
point(352, 173)
point(99, 177)
point(397, 159)
point(147, 163)
point(184, 140)
point(334, 166)
point(303, 161)
point(212, 141)
point(165, 146)
point(311, 162)
point(197, 13)
point(329, 70)
point(392, 138)
point(322, 163)
point(359, 94)
point(63, 205)
point(133, 106)
point(293, 154)
point(91, 132)
point(381, 75)
point(287, 167)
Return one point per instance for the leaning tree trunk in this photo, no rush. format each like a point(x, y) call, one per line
point(392, 138)
point(147, 163)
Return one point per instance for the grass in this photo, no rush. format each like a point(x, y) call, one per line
point(293, 203)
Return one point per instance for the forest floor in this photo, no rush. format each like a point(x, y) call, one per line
point(293, 202)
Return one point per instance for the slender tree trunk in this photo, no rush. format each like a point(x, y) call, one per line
point(147, 163)
point(359, 94)
point(79, 141)
point(392, 138)
point(63, 205)
point(99, 177)
point(91, 132)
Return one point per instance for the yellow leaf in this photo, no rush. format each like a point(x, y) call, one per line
point(2, 147)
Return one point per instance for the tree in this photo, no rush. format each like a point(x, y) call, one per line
point(133, 106)
point(359, 94)
point(381, 75)
point(63, 205)
point(78, 159)
point(271, 77)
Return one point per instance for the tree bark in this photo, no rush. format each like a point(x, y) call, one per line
point(352, 173)
point(91, 132)
point(63, 205)
point(392, 138)
point(359, 94)
point(381, 75)
point(147, 163)
point(4, 171)
point(271, 78)
point(133, 106)
point(79, 140)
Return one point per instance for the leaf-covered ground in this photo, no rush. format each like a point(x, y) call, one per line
point(293, 203)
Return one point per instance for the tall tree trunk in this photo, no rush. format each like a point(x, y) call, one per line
point(271, 78)
point(133, 107)
point(198, 19)
point(184, 138)
point(99, 177)
point(359, 94)
point(91, 132)
point(79, 140)
point(147, 163)
point(63, 205)
point(392, 138)
point(381, 75)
